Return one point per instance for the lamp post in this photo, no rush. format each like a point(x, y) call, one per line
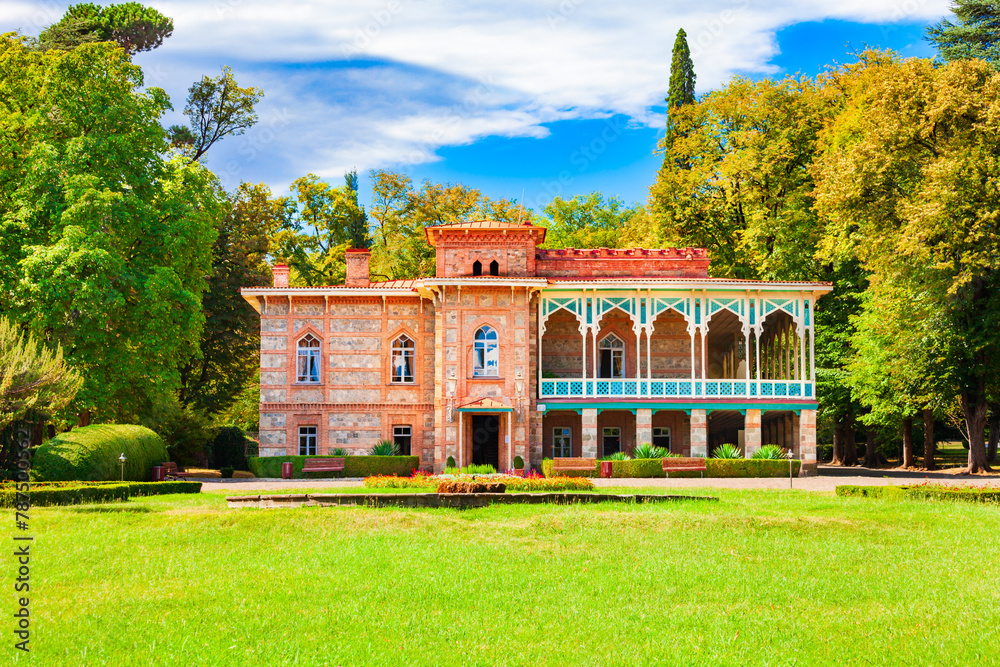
point(790, 454)
point(122, 460)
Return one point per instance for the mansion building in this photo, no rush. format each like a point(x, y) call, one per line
point(511, 350)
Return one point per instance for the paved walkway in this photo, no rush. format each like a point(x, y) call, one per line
point(829, 477)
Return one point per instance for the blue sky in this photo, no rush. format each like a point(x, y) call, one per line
point(544, 97)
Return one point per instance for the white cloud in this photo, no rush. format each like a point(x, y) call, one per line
point(451, 71)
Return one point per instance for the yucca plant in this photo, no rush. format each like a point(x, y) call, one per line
point(385, 448)
point(338, 451)
point(648, 451)
point(769, 452)
point(617, 456)
point(727, 451)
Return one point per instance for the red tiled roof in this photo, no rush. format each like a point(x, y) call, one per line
point(484, 224)
point(679, 279)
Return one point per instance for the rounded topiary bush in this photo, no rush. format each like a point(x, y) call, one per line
point(91, 453)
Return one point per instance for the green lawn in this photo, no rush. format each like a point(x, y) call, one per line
point(761, 577)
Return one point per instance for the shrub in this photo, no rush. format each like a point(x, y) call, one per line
point(648, 451)
point(479, 469)
point(338, 451)
point(91, 453)
point(769, 452)
point(748, 468)
point(637, 468)
point(548, 469)
point(74, 493)
point(226, 472)
point(924, 492)
point(354, 466)
point(450, 463)
point(518, 463)
point(229, 448)
point(727, 451)
point(452, 470)
point(459, 486)
point(617, 456)
point(385, 448)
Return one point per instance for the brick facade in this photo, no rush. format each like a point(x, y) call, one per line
point(492, 277)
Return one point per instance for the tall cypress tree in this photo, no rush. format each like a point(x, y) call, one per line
point(682, 78)
point(976, 34)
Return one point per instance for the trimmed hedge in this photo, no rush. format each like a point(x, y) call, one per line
point(646, 468)
point(354, 466)
point(229, 448)
point(548, 470)
point(90, 453)
point(922, 492)
point(74, 493)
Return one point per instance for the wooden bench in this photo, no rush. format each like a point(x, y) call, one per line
point(323, 465)
point(170, 470)
point(568, 464)
point(684, 464)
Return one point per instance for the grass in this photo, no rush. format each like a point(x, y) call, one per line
point(760, 578)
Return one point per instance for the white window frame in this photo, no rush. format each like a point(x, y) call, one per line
point(401, 353)
point(611, 432)
point(663, 431)
point(617, 354)
point(486, 352)
point(562, 441)
point(308, 440)
point(307, 360)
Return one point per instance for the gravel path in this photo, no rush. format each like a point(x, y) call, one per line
point(829, 477)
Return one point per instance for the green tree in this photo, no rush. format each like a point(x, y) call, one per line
point(216, 108)
point(132, 26)
point(974, 34)
point(591, 221)
point(906, 183)
point(400, 214)
point(104, 245)
point(230, 339)
point(682, 78)
point(32, 377)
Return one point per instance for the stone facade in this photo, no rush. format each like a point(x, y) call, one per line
point(671, 330)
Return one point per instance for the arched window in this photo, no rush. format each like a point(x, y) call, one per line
point(402, 359)
point(494, 268)
point(612, 357)
point(486, 353)
point(308, 355)
point(477, 268)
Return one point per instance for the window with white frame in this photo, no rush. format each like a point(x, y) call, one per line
point(403, 437)
point(307, 441)
point(486, 353)
point(661, 437)
point(611, 440)
point(612, 350)
point(562, 441)
point(402, 359)
point(307, 359)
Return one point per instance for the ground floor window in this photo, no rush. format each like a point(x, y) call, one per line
point(403, 437)
point(611, 439)
point(307, 441)
point(562, 441)
point(661, 437)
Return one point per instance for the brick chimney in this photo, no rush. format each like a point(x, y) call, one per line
point(280, 274)
point(357, 267)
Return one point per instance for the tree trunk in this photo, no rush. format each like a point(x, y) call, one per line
point(873, 457)
point(907, 442)
point(929, 439)
point(974, 406)
point(84, 418)
point(991, 450)
point(838, 442)
point(850, 446)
